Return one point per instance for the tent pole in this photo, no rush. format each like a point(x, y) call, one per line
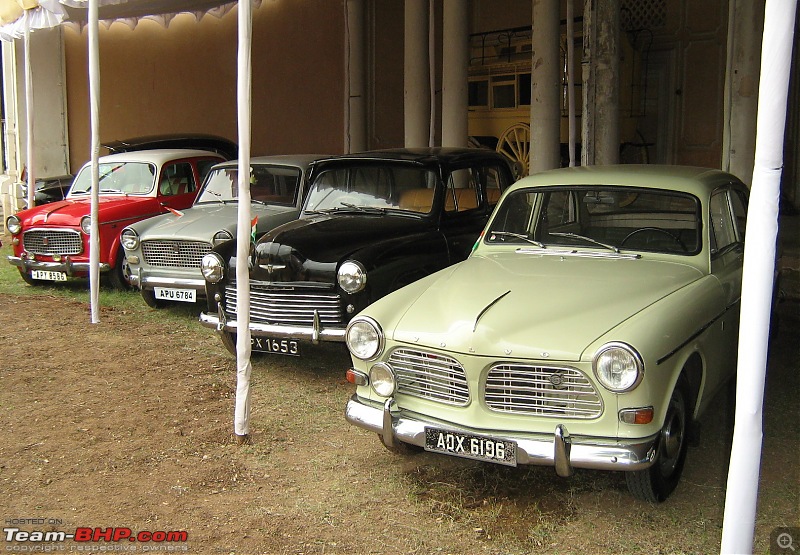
point(758, 277)
point(94, 116)
point(241, 419)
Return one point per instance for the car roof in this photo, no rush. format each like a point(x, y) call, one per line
point(424, 156)
point(687, 179)
point(156, 156)
point(201, 141)
point(279, 159)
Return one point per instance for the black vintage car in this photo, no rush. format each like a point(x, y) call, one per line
point(372, 222)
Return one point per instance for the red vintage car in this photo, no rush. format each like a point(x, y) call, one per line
point(51, 242)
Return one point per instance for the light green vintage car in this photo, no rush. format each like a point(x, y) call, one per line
point(595, 319)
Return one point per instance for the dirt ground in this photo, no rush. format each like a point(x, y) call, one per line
point(127, 424)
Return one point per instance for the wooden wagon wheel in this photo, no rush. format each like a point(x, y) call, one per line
point(515, 144)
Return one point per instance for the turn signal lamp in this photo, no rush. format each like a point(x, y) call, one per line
point(643, 415)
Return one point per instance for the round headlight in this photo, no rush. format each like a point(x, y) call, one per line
point(213, 267)
point(364, 338)
point(618, 367)
point(381, 377)
point(352, 276)
point(129, 239)
point(221, 237)
point(86, 225)
point(13, 225)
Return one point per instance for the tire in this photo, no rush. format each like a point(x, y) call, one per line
point(149, 297)
point(116, 275)
point(229, 341)
point(26, 277)
point(656, 483)
point(400, 448)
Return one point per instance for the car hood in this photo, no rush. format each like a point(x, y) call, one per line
point(329, 238)
point(201, 222)
point(69, 212)
point(534, 306)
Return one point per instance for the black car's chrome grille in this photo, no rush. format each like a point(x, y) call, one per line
point(288, 307)
point(430, 376)
point(541, 391)
point(53, 241)
point(175, 254)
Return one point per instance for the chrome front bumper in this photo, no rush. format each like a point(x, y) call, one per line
point(315, 334)
point(137, 278)
point(67, 265)
point(559, 449)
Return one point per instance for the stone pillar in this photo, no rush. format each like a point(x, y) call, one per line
point(745, 27)
point(355, 108)
point(455, 62)
point(600, 133)
point(416, 75)
point(545, 86)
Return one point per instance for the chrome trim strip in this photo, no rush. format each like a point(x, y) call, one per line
point(699, 331)
point(190, 283)
point(269, 330)
point(536, 449)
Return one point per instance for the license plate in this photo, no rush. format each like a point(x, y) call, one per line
point(275, 346)
point(48, 275)
point(169, 294)
point(471, 446)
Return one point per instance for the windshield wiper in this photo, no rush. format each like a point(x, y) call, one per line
point(366, 209)
point(584, 238)
point(518, 236)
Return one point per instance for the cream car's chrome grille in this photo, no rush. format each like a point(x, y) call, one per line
point(288, 307)
point(541, 391)
point(175, 254)
point(430, 376)
point(53, 241)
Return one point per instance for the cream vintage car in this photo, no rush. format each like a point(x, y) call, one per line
point(590, 327)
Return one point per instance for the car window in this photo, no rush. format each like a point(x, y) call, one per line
point(462, 190)
point(593, 216)
point(176, 179)
point(369, 185)
point(722, 228)
point(204, 166)
point(739, 206)
point(117, 177)
point(274, 185)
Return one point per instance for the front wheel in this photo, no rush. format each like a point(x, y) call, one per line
point(656, 483)
point(229, 341)
point(116, 275)
point(149, 297)
point(26, 277)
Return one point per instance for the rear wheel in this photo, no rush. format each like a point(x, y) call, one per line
point(656, 483)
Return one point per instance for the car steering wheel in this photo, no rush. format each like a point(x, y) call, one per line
point(656, 230)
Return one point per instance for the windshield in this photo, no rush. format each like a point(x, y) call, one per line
point(611, 218)
point(373, 186)
point(117, 177)
point(268, 185)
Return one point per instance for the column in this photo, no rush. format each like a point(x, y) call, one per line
point(545, 86)
point(455, 62)
point(416, 76)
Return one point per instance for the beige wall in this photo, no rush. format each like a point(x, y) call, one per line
point(157, 80)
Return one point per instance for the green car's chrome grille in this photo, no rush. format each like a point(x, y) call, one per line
point(430, 376)
point(541, 391)
point(288, 307)
point(175, 254)
point(53, 241)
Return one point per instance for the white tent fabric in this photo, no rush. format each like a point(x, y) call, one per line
point(757, 280)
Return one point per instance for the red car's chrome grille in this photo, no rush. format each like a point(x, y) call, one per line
point(53, 241)
point(288, 307)
point(175, 254)
point(430, 376)
point(541, 391)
